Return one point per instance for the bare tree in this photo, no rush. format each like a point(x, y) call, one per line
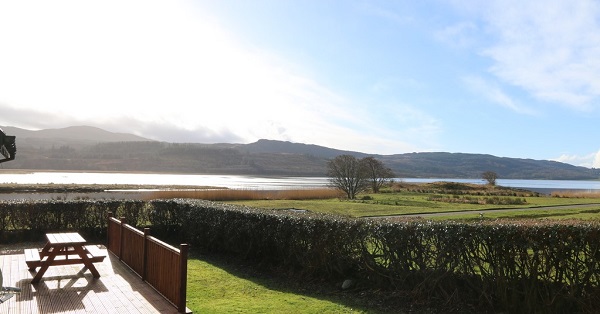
point(490, 177)
point(347, 174)
point(377, 173)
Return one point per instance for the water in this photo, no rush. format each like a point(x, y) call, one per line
point(254, 182)
point(545, 185)
point(166, 180)
point(226, 181)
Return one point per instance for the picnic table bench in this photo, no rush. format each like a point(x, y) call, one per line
point(63, 249)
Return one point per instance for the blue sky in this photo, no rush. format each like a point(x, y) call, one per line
point(507, 78)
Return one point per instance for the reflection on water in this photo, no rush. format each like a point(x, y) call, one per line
point(226, 181)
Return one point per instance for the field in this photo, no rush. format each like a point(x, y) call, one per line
point(431, 200)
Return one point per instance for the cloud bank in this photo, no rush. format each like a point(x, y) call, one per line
point(549, 49)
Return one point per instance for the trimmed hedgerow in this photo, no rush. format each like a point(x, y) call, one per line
point(311, 243)
point(86, 216)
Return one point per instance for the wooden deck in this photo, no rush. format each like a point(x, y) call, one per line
point(72, 289)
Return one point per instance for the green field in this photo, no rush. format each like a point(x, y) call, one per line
point(403, 203)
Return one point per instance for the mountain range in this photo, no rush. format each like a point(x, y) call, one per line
point(85, 148)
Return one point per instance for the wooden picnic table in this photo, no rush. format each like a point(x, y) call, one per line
point(63, 249)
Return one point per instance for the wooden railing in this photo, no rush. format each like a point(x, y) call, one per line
point(161, 265)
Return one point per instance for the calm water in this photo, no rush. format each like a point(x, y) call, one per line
point(252, 182)
point(233, 182)
point(547, 185)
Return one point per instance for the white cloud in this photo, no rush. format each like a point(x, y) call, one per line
point(385, 13)
point(596, 162)
point(460, 35)
point(391, 83)
point(591, 160)
point(495, 94)
point(550, 49)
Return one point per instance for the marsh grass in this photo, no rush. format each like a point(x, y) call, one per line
point(575, 194)
point(236, 195)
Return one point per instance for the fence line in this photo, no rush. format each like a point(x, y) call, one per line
point(161, 265)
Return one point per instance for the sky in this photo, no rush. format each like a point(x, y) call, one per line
point(508, 78)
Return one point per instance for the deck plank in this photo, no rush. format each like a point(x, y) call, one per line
point(72, 289)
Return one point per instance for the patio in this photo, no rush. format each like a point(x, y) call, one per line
point(72, 289)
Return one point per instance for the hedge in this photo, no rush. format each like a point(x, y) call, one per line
point(532, 266)
point(29, 220)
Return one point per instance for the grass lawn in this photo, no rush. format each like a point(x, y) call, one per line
point(218, 285)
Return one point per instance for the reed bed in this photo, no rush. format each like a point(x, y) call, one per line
point(238, 195)
point(576, 194)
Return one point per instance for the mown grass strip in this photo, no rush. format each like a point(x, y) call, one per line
point(215, 286)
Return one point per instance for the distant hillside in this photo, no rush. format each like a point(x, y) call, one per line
point(75, 133)
point(280, 147)
point(93, 149)
point(460, 165)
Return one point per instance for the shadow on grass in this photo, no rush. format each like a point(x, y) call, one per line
point(357, 299)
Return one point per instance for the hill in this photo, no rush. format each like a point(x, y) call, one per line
point(93, 149)
point(281, 147)
point(460, 165)
point(73, 133)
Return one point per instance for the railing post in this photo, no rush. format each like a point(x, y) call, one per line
point(110, 215)
point(121, 239)
point(144, 253)
point(183, 250)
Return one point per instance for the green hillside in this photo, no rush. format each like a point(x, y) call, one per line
point(106, 151)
